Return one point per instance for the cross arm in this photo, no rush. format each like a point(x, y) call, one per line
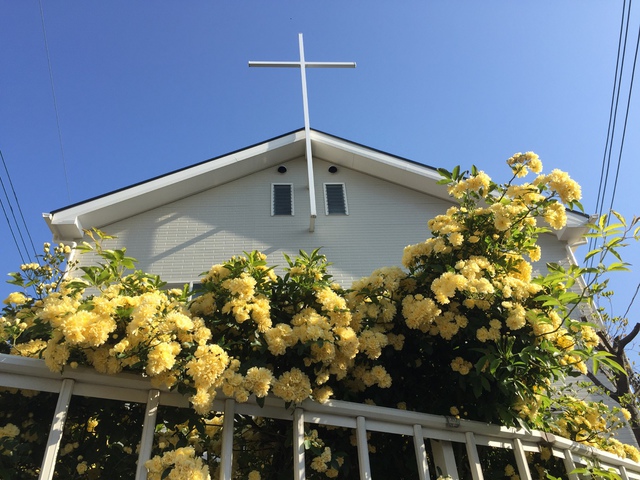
point(330, 64)
point(306, 64)
point(274, 64)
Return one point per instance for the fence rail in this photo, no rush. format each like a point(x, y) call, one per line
point(440, 432)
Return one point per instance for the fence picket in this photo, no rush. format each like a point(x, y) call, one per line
point(623, 473)
point(226, 460)
point(521, 460)
point(421, 453)
point(363, 449)
point(570, 465)
point(57, 428)
point(32, 374)
point(474, 459)
point(148, 429)
point(298, 444)
point(444, 458)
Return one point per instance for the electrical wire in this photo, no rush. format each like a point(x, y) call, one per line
point(626, 118)
point(15, 240)
point(55, 102)
point(622, 140)
point(615, 95)
point(15, 221)
point(17, 202)
point(606, 161)
point(611, 130)
point(633, 299)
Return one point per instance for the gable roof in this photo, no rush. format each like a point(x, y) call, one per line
point(67, 223)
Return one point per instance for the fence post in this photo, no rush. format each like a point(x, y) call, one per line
point(444, 458)
point(363, 449)
point(474, 459)
point(623, 473)
point(57, 427)
point(298, 444)
point(421, 453)
point(521, 460)
point(226, 460)
point(570, 465)
point(148, 429)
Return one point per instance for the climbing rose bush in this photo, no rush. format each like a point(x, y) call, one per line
point(472, 306)
point(468, 321)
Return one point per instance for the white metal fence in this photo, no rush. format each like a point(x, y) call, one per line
point(441, 433)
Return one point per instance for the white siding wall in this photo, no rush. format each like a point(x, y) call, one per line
point(180, 240)
point(553, 251)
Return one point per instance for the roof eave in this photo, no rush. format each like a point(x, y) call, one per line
point(67, 223)
point(573, 234)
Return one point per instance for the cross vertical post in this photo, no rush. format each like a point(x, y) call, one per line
point(303, 65)
point(307, 138)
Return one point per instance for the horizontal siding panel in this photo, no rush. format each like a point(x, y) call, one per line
point(182, 239)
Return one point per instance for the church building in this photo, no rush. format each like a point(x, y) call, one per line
point(363, 207)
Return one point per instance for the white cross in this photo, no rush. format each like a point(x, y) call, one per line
point(303, 65)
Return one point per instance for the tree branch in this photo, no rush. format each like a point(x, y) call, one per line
point(605, 341)
point(598, 383)
point(621, 342)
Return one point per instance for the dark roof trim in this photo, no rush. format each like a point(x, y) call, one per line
point(170, 173)
point(231, 153)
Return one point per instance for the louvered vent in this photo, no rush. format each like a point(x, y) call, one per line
point(282, 199)
point(335, 199)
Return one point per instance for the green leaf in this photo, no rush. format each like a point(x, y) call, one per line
point(602, 222)
point(494, 366)
point(17, 279)
point(605, 358)
point(444, 173)
point(614, 226)
point(128, 262)
point(84, 247)
point(592, 253)
point(576, 203)
point(87, 306)
point(617, 267)
point(485, 383)
point(620, 218)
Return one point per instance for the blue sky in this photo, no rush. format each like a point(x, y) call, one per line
point(146, 87)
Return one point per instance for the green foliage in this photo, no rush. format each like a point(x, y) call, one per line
point(595, 473)
point(466, 325)
point(44, 276)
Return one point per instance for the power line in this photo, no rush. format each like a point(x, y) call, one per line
point(624, 130)
point(17, 202)
point(55, 103)
point(613, 112)
point(632, 300)
point(615, 95)
point(626, 118)
point(15, 240)
point(15, 221)
point(606, 161)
